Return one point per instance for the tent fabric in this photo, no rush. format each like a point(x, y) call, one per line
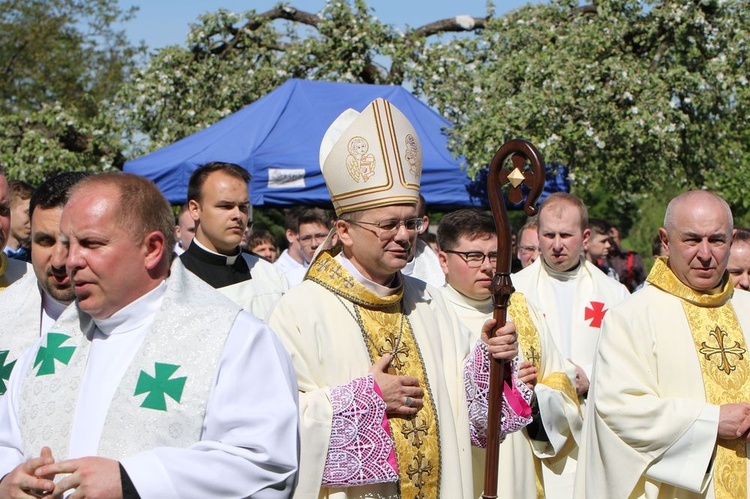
point(277, 138)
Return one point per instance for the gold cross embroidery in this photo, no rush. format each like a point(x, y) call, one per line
point(708, 351)
point(415, 431)
point(323, 265)
point(391, 341)
point(336, 272)
point(534, 357)
point(415, 472)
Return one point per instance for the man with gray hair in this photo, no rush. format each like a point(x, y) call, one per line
point(669, 408)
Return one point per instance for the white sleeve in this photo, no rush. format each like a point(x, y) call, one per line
point(11, 454)
point(249, 444)
point(686, 463)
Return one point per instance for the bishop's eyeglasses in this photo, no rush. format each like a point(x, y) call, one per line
point(387, 228)
point(474, 259)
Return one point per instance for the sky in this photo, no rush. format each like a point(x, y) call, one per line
point(165, 22)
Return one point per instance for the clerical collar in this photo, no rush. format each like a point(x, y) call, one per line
point(373, 286)
point(136, 314)
point(213, 257)
point(484, 306)
point(52, 307)
point(565, 275)
point(217, 270)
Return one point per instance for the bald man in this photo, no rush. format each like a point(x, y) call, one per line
point(669, 407)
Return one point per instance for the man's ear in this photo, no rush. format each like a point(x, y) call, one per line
point(443, 259)
point(343, 231)
point(586, 237)
point(664, 236)
point(194, 209)
point(154, 245)
point(291, 236)
point(426, 224)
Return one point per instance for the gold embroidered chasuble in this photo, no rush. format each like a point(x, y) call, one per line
point(723, 357)
point(386, 329)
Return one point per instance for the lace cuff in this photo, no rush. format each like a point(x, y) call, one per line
point(361, 449)
point(516, 396)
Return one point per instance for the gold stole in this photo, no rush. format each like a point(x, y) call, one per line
point(531, 346)
point(3, 265)
point(722, 354)
point(386, 329)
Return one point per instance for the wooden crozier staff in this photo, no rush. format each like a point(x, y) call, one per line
point(519, 151)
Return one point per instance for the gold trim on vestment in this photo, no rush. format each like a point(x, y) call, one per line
point(3, 265)
point(531, 346)
point(385, 328)
point(722, 355)
point(662, 277)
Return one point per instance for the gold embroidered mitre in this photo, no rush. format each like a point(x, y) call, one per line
point(371, 159)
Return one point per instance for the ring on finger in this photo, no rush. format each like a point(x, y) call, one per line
point(408, 402)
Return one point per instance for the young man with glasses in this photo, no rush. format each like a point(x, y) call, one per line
point(219, 203)
point(381, 360)
point(311, 229)
point(468, 256)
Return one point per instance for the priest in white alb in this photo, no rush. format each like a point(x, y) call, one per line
point(669, 410)
point(468, 255)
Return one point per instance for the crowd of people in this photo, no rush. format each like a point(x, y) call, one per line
point(152, 355)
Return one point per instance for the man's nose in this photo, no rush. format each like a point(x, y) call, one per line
point(704, 250)
point(59, 256)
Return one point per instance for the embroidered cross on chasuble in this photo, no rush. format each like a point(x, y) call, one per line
point(722, 354)
point(386, 329)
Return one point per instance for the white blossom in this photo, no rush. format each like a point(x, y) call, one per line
point(465, 21)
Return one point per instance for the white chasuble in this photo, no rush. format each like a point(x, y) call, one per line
point(668, 358)
point(20, 322)
point(161, 398)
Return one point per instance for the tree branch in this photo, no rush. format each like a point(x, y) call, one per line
point(453, 24)
point(657, 56)
point(281, 12)
point(583, 9)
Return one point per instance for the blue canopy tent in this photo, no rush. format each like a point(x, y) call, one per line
point(277, 139)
